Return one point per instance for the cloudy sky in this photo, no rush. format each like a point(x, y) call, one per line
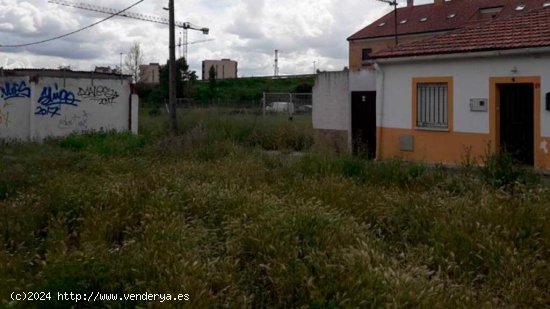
point(244, 30)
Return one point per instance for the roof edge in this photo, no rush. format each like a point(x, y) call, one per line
point(462, 55)
point(403, 34)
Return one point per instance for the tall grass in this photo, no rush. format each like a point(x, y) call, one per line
point(210, 213)
point(240, 126)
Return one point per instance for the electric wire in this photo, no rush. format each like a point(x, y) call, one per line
point(73, 32)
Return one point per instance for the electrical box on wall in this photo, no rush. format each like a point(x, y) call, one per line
point(406, 143)
point(479, 105)
point(548, 101)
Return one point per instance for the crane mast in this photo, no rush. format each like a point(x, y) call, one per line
point(150, 18)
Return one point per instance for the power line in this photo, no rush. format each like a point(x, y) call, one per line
point(73, 32)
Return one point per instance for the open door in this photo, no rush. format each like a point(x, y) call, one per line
point(516, 114)
point(363, 123)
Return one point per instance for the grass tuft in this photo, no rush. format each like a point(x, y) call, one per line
point(210, 212)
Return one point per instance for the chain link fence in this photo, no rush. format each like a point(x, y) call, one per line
point(287, 103)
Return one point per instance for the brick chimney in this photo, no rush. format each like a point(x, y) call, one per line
point(410, 3)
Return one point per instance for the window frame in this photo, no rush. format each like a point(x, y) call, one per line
point(450, 106)
point(369, 52)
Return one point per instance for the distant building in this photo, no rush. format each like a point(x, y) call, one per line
point(225, 68)
point(150, 73)
point(106, 70)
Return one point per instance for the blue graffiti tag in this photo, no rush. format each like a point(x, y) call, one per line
point(15, 90)
point(51, 101)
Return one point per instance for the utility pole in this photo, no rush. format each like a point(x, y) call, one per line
point(120, 66)
point(276, 65)
point(172, 69)
point(394, 4)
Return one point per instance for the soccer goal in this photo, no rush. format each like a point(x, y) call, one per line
point(286, 103)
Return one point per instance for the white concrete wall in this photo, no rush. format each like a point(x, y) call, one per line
point(15, 104)
point(471, 80)
point(331, 101)
point(61, 106)
point(332, 97)
point(362, 80)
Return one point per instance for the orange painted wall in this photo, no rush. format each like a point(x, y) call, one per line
point(433, 146)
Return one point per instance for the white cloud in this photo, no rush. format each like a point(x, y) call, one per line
point(245, 30)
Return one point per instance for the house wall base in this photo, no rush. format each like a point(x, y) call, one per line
point(332, 141)
point(435, 147)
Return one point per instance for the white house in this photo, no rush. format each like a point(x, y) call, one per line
point(481, 88)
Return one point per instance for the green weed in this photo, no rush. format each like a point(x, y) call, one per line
point(211, 213)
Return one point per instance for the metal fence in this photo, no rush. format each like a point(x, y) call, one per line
point(289, 103)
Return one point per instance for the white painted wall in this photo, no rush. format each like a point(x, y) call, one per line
point(362, 80)
point(60, 106)
point(471, 80)
point(15, 107)
point(331, 101)
point(332, 97)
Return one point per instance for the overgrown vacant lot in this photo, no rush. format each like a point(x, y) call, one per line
point(212, 214)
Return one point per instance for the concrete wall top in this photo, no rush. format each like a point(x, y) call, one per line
point(62, 74)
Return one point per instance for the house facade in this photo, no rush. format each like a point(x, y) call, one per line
point(479, 87)
point(443, 110)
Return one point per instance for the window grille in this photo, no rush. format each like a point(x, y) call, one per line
point(432, 105)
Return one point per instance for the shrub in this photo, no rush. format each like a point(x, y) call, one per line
point(503, 171)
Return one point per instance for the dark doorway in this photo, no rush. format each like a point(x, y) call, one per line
point(517, 121)
point(363, 123)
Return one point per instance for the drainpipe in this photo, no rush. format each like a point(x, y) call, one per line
point(380, 80)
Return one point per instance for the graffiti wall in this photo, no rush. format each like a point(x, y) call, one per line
point(35, 108)
point(15, 104)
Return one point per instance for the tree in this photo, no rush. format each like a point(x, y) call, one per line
point(212, 82)
point(212, 75)
point(134, 59)
point(184, 81)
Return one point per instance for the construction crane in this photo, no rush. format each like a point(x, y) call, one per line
point(183, 46)
point(155, 19)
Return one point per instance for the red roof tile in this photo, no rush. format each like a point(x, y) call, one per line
point(527, 30)
point(466, 12)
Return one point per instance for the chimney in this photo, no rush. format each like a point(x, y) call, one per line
point(410, 3)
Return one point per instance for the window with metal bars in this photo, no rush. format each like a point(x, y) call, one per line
point(432, 105)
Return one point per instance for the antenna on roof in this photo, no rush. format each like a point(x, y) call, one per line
point(394, 4)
